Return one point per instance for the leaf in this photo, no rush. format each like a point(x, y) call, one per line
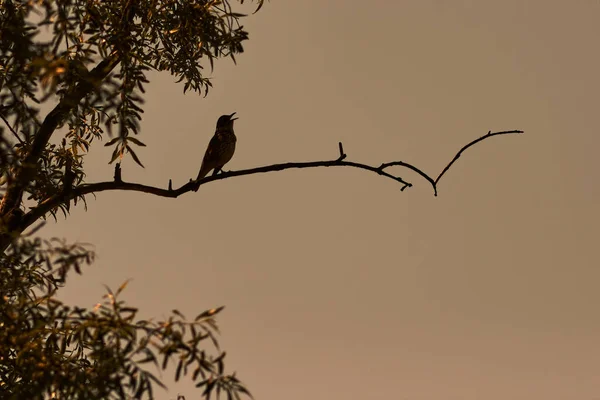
point(220, 365)
point(112, 141)
point(122, 287)
point(129, 347)
point(209, 386)
point(197, 371)
point(260, 4)
point(200, 384)
point(165, 361)
point(140, 390)
point(136, 141)
point(135, 157)
point(150, 357)
point(209, 313)
point(178, 371)
point(115, 155)
point(156, 380)
point(242, 389)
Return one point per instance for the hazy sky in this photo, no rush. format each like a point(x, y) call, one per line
point(337, 285)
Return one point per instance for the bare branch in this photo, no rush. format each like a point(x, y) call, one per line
point(82, 190)
point(434, 182)
point(118, 184)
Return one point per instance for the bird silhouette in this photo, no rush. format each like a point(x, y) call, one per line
point(220, 148)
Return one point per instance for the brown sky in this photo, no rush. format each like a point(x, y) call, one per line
point(338, 285)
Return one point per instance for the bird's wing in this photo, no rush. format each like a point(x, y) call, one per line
point(211, 151)
point(210, 159)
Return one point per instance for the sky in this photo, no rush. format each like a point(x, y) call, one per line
point(337, 285)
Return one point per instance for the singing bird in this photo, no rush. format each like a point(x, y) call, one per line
point(220, 148)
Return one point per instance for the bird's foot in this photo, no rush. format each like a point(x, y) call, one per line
point(220, 171)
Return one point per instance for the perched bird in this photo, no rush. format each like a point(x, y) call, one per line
point(220, 148)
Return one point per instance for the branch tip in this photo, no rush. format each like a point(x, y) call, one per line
point(117, 175)
point(465, 147)
point(342, 154)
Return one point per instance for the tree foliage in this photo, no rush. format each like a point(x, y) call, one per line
point(88, 61)
point(49, 348)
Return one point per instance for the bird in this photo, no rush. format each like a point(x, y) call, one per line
point(220, 148)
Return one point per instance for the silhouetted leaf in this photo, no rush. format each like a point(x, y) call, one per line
point(136, 141)
point(135, 157)
point(178, 371)
point(112, 141)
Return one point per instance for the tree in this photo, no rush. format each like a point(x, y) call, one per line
point(92, 72)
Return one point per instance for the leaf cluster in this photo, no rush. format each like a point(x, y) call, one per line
point(91, 58)
point(48, 348)
point(89, 61)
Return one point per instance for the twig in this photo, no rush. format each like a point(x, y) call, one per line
point(11, 129)
point(342, 154)
point(457, 156)
point(117, 175)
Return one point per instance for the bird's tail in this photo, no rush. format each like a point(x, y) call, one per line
point(203, 171)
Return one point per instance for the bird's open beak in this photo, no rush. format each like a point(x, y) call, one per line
point(232, 119)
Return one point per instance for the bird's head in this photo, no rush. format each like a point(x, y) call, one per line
point(226, 121)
